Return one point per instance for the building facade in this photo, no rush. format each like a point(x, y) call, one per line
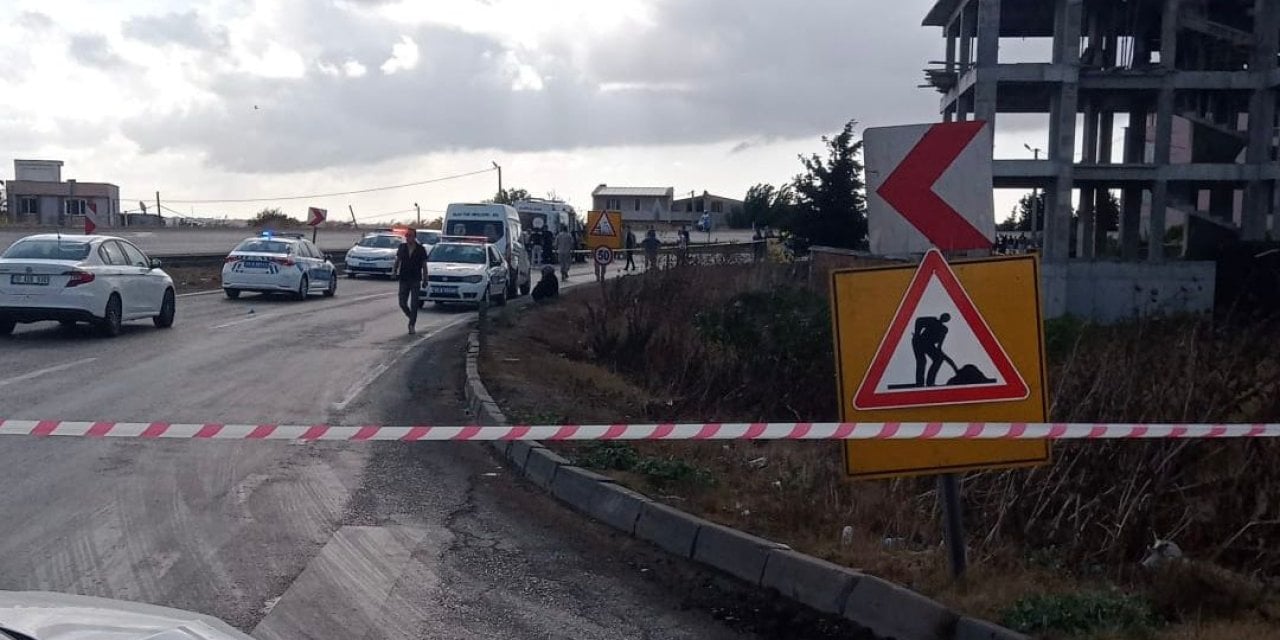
point(1196, 74)
point(689, 210)
point(38, 195)
point(637, 204)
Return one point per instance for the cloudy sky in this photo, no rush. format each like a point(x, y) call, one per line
point(234, 99)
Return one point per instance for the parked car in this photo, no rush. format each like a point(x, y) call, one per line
point(102, 280)
point(465, 270)
point(374, 254)
point(278, 263)
point(37, 615)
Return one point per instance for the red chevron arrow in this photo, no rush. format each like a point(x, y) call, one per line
point(909, 188)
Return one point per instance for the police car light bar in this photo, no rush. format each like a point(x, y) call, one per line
point(283, 234)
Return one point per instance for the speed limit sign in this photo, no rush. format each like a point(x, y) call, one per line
point(603, 256)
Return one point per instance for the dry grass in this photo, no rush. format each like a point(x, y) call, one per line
point(641, 351)
point(191, 279)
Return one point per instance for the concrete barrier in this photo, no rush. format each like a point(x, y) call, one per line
point(542, 465)
point(818, 583)
point(891, 611)
point(672, 530)
point(736, 553)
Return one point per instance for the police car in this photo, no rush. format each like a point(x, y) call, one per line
point(278, 263)
point(465, 270)
point(374, 254)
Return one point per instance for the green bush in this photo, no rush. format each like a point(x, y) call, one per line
point(1081, 614)
point(659, 471)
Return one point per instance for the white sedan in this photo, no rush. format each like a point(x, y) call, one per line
point(463, 271)
point(374, 254)
point(97, 279)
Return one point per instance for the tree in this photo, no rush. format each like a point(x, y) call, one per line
point(1108, 213)
point(273, 217)
point(1031, 205)
point(830, 203)
point(765, 205)
point(510, 196)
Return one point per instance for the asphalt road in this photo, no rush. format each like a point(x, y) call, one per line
point(424, 540)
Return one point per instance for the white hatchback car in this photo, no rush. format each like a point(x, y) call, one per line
point(97, 279)
point(465, 271)
point(279, 263)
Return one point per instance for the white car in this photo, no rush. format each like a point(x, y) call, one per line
point(97, 279)
point(374, 254)
point(429, 237)
point(41, 615)
point(279, 263)
point(465, 271)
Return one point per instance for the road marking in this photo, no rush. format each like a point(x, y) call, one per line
point(363, 383)
point(40, 372)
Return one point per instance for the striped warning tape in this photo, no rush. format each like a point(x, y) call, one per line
point(704, 431)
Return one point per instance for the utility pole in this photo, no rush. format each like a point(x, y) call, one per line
point(419, 210)
point(499, 168)
point(159, 211)
point(354, 224)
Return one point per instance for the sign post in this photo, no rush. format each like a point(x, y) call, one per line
point(315, 217)
point(941, 342)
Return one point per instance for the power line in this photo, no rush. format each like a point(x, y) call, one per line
point(326, 195)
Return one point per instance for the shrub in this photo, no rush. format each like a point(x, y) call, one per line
point(1077, 614)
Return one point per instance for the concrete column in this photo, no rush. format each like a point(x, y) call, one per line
point(1062, 137)
point(988, 28)
point(1164, 130)
point(1131, 215)
point(1258, 194)
point(1088, 212)
point(1106, 131)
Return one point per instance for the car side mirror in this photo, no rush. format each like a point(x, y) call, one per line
point(155, 263)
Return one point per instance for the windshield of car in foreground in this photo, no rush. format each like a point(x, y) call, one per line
point(465, 253)
point(381, 242)
point(262, 245)
point(428, 237)
point(493, 230)
point(48, 250)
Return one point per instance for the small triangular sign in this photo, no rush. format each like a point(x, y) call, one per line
point(603, 227)
point(938, 350)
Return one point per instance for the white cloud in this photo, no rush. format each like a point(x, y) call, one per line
point(354, 69)
point(523, 76)
point(275, 61)
point(404, 56)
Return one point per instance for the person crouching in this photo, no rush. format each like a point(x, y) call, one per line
point(548, 286)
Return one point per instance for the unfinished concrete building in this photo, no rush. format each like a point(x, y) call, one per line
point(1190, 87)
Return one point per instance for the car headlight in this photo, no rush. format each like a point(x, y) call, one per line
point(473, 279)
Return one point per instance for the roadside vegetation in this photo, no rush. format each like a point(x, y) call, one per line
point(1055, 551)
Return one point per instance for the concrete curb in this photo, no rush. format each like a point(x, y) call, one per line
point(886, 609)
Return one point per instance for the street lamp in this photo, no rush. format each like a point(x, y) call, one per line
point(499, 168)
point(419, 210)
point(1037, 211)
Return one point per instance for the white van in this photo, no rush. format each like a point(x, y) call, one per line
point(499, 224)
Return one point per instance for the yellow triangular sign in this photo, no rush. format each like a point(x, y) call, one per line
point(603, 227)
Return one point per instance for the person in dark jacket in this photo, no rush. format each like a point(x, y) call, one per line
point(630, 246)
point(548, 286)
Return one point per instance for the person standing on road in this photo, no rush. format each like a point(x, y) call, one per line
point(650, 245)
point(564, 251)
point(411, 271)
point(630, 249)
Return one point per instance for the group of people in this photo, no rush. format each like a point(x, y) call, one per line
point(1009, 245)
point(541, 243)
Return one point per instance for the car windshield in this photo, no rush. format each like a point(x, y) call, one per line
point(381, 242)
point(48, 250)
point(492, 230)
point(465, 253)
point(428, 237)
point(263, 245)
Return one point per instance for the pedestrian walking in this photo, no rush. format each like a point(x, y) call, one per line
point(564, 251)
point(682, 245)
point(650, 245)
point(411, 271)
point(630, 248)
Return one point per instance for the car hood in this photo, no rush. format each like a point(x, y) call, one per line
point(454, 268)
point(371, 252)
point(56, 616)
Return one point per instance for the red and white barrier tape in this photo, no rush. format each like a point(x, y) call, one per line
point(706, 431)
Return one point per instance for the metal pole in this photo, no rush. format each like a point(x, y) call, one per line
point(159, 211)
point(419, 209)
point(354, 224)
point(953, 522)
point(499, 168)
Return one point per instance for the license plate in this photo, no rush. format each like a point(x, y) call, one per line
point(444, 291)
point(28, 279)
point(256, 265)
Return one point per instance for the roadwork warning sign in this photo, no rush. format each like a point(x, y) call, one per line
point(604, 229)
point(940, 342)
point(938, 350)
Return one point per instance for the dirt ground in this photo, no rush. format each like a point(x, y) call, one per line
point(533, 364)
point(192, 279)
